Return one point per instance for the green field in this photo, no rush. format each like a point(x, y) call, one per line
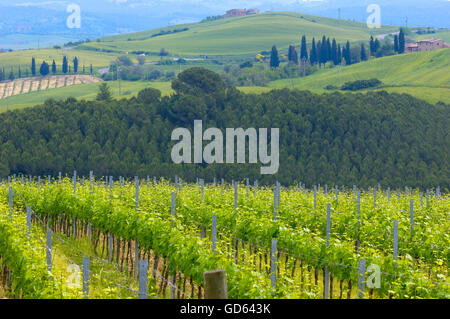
point(444, 35)
point(81, 91)
point(247, 35)
point(418, 74)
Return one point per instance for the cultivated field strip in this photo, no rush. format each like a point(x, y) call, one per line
point(27, 85)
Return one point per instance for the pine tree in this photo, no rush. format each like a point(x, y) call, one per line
point(313, 53)
point(304, 50)
point(33, 66)
point(363, 53)
point(274, 59)
point(75, 65)
point(104, 92)
point(65, 65)
point(334, 53)
point(401, 41)
point(54, 67)
point(396, 43)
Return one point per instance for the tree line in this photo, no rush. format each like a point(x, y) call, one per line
point(336, 138)
point(44, 69)
point(326, 50)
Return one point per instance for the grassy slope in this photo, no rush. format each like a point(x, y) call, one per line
point(241, 35)
point(445, 35)
point(23, 57)
point(416, 73)
point(81, 91)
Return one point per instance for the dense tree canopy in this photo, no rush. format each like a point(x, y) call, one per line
point(336, 138)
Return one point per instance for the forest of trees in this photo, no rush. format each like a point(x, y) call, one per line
point(336, 138)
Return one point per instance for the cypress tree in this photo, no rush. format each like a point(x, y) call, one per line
point(20, 72)
point(323, 51)
point(339, 54)
point(334, 54)
point(274, 59)
point(329, 53)
point(372, 46)
point(363, 53)
point(304, 50)
point(33, 66)
point(44, 70)
point(396, 43)
point(376, 46)
point(75, 65)
point(319, 53)
point(91, 70)
point(54, 67)
point(84, 69)
point(401, 41)
point(65, 65)
point(292, 55)
point(347, 56)
point(11, 75)
point(313, 55)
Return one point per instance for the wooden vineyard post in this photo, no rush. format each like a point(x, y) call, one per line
point(336, 193)
point(174, 195)
point(49, 249)
point(86, 277)
point(215, 282)
point(361, 278)
point(275, 201)
point(110, 250)
point(11, 202)
point(91, 178)
point(143, 278)
point(327, 275)
point(315, 197)
point(395, 241)
point(247, 185)
point(389, 194)
point(411, 212)
point(273, 265)
point(221, 185)
point(59, 176)
point(214, 233)
point(202, 186)
point(358, 213)
point(28, 222)
point(136, 246)
point(421, 201)
point(374, 197)
point(428, 198)
point(235, 196)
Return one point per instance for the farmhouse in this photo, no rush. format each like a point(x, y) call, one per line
point(426, 45)
point(240, 12)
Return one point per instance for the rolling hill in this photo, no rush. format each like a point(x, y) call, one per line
point(246, 35)
point(418, 74)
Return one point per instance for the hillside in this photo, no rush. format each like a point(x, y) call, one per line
point(246, 35)
point(418, 74)
point(336, 138)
